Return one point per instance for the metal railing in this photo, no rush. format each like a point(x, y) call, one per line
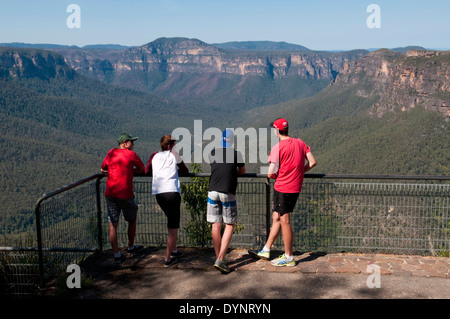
point(333, 213)
point(354, 213)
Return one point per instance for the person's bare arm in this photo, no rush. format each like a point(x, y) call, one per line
point(272, 171)
point(311, 161)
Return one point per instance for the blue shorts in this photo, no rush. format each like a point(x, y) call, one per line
point(221, 207)
point(116, 205)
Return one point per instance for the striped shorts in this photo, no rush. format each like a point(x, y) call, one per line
point(221, 207)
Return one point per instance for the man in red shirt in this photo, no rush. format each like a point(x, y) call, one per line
point(287, 165)
point(121, 164)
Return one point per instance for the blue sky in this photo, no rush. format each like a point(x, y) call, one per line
point(318, 25)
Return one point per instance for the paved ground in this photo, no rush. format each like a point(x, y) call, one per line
point(315, 276)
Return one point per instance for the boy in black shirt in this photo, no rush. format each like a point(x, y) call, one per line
point(226, 164)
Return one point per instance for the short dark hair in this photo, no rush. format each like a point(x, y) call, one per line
point(284, 133)
point(166, 141)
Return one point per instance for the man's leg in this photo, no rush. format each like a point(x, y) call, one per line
point(131, 232)
point(221, 244)
point(287, 233)
point(129, 209)
point(287, 259)
point(214, 216)
point(226, 239)
point(229, 217)
point(274, 230)
point(276, 223)
point(113, 237)
point(264, 253)
point(113, 221)
point(216, 237)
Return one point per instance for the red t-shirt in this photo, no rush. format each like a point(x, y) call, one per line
point(289, 155)
point(120, 164)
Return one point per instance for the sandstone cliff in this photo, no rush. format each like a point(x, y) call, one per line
point(195, 56)
point(403, 81)
point(28, 63)
point(192, 70)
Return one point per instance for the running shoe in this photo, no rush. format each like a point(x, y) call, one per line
point(260, 254)
point(172, 260)
point(118, 260)
point(283, 261)
point(177, 254)
point(220, 265)
point(134, 249)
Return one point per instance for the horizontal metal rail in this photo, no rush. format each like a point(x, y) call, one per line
point(336, 176)
point(9, 248)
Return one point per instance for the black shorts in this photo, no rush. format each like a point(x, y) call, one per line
point(170, 204)
point(116, 205)
point(284, 202)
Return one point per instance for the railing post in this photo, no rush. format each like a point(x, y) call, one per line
point(39, 240)
point(268, 207)
point(99, 215)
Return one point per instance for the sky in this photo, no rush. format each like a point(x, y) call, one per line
point(317, 25)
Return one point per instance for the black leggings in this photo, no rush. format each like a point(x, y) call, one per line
point(170, 204)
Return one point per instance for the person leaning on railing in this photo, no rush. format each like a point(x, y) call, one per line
point(166, 166)
point(289, 160)
point(226, 164)
point(121, 164)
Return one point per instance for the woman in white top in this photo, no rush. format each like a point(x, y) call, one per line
point(166, 167)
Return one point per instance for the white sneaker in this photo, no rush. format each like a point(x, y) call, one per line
point(283, 261)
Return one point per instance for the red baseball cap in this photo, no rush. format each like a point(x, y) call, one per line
point(280, 124)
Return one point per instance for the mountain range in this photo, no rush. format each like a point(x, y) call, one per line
point(61, 109)
point(217, 75)
point(203, 74)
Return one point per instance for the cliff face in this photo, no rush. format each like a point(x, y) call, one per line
point(403, 81)
point(191, 70)
point(194, 71)
point(22, 63)
point(194, 56)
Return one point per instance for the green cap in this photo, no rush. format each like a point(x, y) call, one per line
point(126, 137)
